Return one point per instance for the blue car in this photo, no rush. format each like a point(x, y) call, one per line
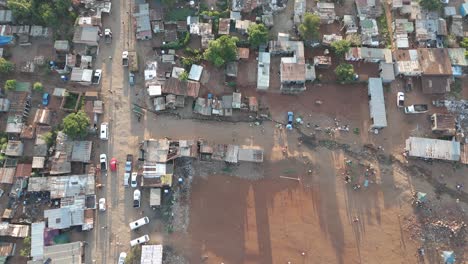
point(45, 99)
point(131, 79)
point(290, 120)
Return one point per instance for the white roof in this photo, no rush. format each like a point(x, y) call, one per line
point(377, 103)
point(154, 90)
point(37, 240)
point(81, 75)
point(195, 72)
point(263, 71)
point(433, 148)
point(151, 254)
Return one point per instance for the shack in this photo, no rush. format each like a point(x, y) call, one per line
point(155, 197)
point(443, 124)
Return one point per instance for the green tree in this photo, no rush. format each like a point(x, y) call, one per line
point(183, 76)
point(26, 250)
point(38, 87)
point(221, 50)
point(76, 124)
point(6, 66)
point(48, 15)
point(10, 85)
point(464, 44)
point(431, 5)
point(258, 34)
point(340, 47)
point(310, 27)
point(345, 73)
point(21, 8)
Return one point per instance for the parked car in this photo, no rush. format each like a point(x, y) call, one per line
point(400, 99)
point(102, 204)
point(136, 198)
point(140, 240)
point(126, 178)
point(45, 99)
point(122, 258)
point(113, 164)
point(290, 120)
point(128, 163)
point(97, 76)
point(104, 135)
point(139, 223)
point(131, 79)
point(103, 161)
point(134, 181)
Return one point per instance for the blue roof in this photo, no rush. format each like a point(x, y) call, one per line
point(5, 40)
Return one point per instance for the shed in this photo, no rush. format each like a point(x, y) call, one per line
point(195, 72)
point(232, 153)
point(43, 116)
point(429, 148)
point(6, 16)
point(159, 103)
point(250, 153)
point(387, 72)
point(224, 25)
point(151, 254)
point(263, 71)
point(323, 62)
point(14, 148)
point(38, 162)
point(464, 9)
point(4, 104)
point(176, 71)
point(37, 240)
point(377, 103)
point(7, 249)
point(62, 46)
point(81, 151)
point(23, 170)
point(236, 100)
point(253, 104)
point(83, 76)
point(154, 90)
point(12, 230)
point(60, 92)
point(443, 124)
point(243, 53)
point(7, 175)
point(155, 197)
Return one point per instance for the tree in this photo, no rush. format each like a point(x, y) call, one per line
point(464, 44)
point(6, 66)
point(340, 47)
point(183, 76)
point(26, 250)
point(76, 124)
point(309, 29)
point(10, 85)
point(21, 8)
point(258, 34)
point(221, 50)
point(345, 73)
point(431, 5)
point(38, 87)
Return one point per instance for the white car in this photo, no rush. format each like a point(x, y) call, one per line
point(122, 258)
point(126, 178)
point(97, 76)
point(134, 182)
point(103, 161)
point(400, 99)
point(139, 223)
point(104, 135)
point(140, 240)
point(136, 198)
point(102, 204)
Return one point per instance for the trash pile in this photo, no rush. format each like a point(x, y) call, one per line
point(460, 108)
point(363, 173)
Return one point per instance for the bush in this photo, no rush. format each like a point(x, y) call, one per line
point(6, 66)
point(10, 85)
point(340, 47)
point(38, 87)
point(183, 76)
point(345, 73)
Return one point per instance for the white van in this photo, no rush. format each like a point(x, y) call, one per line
point(140, 240)
point(126, 178)
point(104, 135)
point(139, 223)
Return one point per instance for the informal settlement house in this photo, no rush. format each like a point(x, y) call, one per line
point(429, 148)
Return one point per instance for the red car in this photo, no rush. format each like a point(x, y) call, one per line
point(113, 164)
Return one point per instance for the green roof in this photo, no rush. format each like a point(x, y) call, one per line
point(23, 87)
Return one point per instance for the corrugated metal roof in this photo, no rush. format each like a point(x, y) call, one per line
point(81, 151)
point(251, 154)
point(195, 72)
point(38, 162)
point(7, 249)
point(151, 254)
point(433, 148)
point(37, 240)
point(65, 253)
point(11, 230)
point(263, 71)
point(6, 175)
point(377, 103)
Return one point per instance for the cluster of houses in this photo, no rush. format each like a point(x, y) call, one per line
point(160, 154)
